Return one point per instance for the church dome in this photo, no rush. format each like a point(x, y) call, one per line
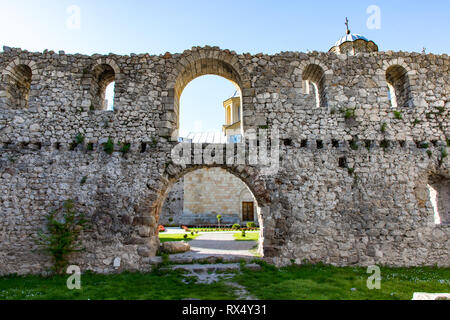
point(353, 43)
point(350, 38)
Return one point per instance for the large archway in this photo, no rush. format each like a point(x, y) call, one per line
point(202, 62)
point(248, 175)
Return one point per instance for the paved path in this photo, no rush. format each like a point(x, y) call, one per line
point(217, 244)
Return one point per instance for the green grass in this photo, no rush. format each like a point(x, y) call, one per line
point(309, 282)
point(249, 236)
point(165, 237)
point(125, 286)
point(214, 229)
point(321, 282)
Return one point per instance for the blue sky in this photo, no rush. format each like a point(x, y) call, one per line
point(253, 26)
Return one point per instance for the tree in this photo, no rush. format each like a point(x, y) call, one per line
point(219, 218)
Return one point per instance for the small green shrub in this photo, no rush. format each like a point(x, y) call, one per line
point(398, 115)
point(108, 147)
point(416, 122)
point(185, 236)
point(243, 233)
point(79, 139)
point(424, 145)
point(354, 145)
point(251, 225)
point(383, 127)
point(349, 114)
point(154, 141)
point(351, 171)
point(236, 226)
point(61, 239)
point(430, 154)
point(83, 180)
point(90, 146)
point(125, 147)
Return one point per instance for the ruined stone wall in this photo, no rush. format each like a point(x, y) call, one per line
point(173, 205)
point(352, 182)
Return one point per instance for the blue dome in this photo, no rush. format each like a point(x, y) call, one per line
point(350, 38)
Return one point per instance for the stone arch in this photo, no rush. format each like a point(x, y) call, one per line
point(399, 77)
point(18, 75)
point(199, 62)
point(103, 72)
point(432, 192)
point(439, 196)
point(150, 208)
point(315, 73)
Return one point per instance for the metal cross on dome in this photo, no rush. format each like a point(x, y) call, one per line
point(346, 24)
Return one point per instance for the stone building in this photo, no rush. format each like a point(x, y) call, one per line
point(363, 138)
point(205, 193)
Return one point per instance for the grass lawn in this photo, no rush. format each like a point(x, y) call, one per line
point(166, 237)
point(332, 283)
point(214, 229)
point(291, 283)
point(249, 236)
point(125, 286)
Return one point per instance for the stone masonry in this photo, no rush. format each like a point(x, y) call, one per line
point(355, 168)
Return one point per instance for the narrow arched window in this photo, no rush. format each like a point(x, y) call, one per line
point(102, 87)
point(439, 193)
point(398, 85)
point(315, 75)
point(18, 86)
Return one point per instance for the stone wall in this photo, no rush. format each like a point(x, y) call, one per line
point(352, 184)
point(173, 205)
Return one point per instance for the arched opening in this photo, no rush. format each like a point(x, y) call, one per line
point(209, 110)
point(209, 66)
point(102, 87)
point(398, 85)
point(439, 195)
point(315, 75)
point(18, 87)
point(109, 96)
point(199, 196)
